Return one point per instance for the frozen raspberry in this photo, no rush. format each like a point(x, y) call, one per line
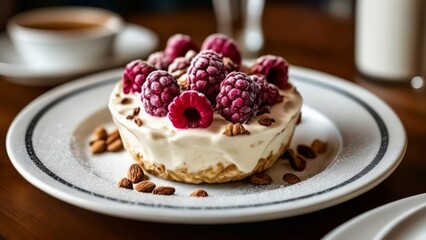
point(159, 60)
point(135, 74)
point(158, 91)
point(191, 110)
point(178, 45)
point(274, 68)
point(238, 98)
point(269, 93)
point(205, 73)
point(223, 45)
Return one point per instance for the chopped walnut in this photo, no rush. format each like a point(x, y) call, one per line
point(235, 129)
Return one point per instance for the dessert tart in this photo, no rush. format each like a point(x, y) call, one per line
point(204, 119)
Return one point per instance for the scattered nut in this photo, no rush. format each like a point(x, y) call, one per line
point(125, 183)
point(138, 121)
point(290, 178)
point(261, 179)
point(136, 111)
point(100, 133)
point(164, 190)
point(183, 81)
point(145, 186)
point(135, 173)
point(98, 146)
point(319, 146)
point(306, 151)
point(266, 120)
point(235, 129)
point(199, 193)
point(129, 117)
point(112, 136)
point(115, 146)
point(288, 153)
point(297, 163)
point(126, 101)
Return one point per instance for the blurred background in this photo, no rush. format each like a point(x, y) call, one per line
point(338, 8)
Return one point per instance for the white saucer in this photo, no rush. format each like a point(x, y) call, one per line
point(132, 43)
point(48, 143)
point(381, 222)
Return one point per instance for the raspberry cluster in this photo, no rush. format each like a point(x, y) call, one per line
point(187, 84)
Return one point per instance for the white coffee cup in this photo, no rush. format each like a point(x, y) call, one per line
point(64, 37)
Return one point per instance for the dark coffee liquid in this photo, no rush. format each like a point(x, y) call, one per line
point(61, 25)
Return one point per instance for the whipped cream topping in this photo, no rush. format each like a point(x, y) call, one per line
point(159, 142)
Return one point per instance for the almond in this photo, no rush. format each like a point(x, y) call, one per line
point(261, 179)
point(297, 163)
point(98, 146)
point(138, 121)
point(115, 146)
point(199, 193)
point(100, 133)
point(145, 186)
point(125, 183)
point(135, 173)
point(112, 136)
point(319, 146)
point(164, 190)
point(290, 178)
point(306, 151)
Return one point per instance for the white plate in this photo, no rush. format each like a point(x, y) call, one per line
point(402, 219)
point(48, 145)
point(133, 42)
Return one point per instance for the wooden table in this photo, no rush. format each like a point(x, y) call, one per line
point(305, 37)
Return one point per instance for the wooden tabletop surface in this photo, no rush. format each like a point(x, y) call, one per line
point(305, 37)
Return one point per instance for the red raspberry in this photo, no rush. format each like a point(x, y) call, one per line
point(205, 73)
point(223, 45)
point(238, 98)
point(178, 45)
point(191, 110)
point(135, 74)
point(159, 60)
point(274, 68)
point(158, 91)
point(269, 93)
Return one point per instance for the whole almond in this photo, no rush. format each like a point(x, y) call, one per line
point(115, 146)
point(135, 173)
point(100, 133)
point(261, 179)
point(98, 146)
point(319, 146)
point(145, 186)
point(112, 136)
point(297, 163)
point(306, 151)
point(164, 190)
point(290, 178)
point(138, 121)
point(199, 193)
point(125, 183)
